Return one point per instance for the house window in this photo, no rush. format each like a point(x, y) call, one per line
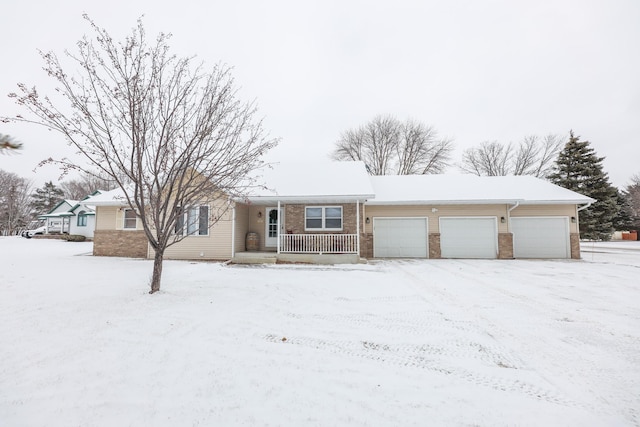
point(323, 218)
point(130, 220)
point(193, 221)
point(82, 219)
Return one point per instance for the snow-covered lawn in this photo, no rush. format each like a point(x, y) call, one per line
point(391, 343)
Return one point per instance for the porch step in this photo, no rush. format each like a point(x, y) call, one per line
point(254, 258)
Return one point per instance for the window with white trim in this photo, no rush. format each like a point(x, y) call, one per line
point(130, 220)
point(82, 219)
point(193, 221)
point(323, 218)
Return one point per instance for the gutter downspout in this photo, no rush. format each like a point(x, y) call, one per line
point(509, 215)
point(584, 207)
point(581, 208)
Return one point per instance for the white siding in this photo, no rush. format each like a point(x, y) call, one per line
point(215, 246)
point(242, 227)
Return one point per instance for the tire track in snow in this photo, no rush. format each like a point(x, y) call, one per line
point(574, 353)
point(438, 330)
point(424, 357)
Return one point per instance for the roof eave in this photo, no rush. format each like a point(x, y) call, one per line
point(479, 202)
point(307, 199)
point(109, 203)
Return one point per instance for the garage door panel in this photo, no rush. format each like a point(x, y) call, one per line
point(400, 237)
point(542, 237)
point(468, 238)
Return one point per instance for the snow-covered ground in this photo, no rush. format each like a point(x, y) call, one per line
point(391, 343)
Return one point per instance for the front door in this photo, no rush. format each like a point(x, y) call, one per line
point(271, 227)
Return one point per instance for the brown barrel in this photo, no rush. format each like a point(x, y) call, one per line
point(252, 241)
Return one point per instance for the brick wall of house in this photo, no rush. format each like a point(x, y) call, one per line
point(434, 246)
point(124, 243)
point(366, 245)
point(574, 239)
point(505, 246)
point(294, 219)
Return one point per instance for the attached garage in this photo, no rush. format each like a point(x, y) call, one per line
point(465, 237)
point(400, 237)
point(541, 237)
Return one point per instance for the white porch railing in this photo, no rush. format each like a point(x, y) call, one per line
point(319, 243)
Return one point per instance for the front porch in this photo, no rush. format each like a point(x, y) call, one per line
point(306, 249)
point(318, 233)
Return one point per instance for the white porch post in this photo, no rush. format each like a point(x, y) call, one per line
point(358, 226)
point(278, 229)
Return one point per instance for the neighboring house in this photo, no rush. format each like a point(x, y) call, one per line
point(57, 220)
point(336, 212)
point(72, 217)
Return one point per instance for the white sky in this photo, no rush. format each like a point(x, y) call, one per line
point(475, 70)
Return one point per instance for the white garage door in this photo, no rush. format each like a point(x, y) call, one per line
point(468, 238)
point(542, 237)
point(400, 237)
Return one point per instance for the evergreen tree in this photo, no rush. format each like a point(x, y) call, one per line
point(579, 169)
point(632, 193)
point(624, 220)
point(46, 198)
point(8, 144)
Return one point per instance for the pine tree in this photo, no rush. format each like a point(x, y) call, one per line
point(624, 220)
point(46, 198)
point(632, 195)
point(579, 169)
point(7, 144)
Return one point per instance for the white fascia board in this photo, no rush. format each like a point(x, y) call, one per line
point(306, 199)
point(558, 202)
point(56, 215)
point(442, 202)
point(478, 202)
point(109, 203)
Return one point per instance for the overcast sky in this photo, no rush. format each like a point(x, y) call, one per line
point(475, 70)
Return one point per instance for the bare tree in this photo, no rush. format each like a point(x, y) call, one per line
point(490, 159)
point(533, 156)
point(86, 184)
point(8, 144)
point(171, 135)
point(388, 146)
point(420, 151)
point(15, 211)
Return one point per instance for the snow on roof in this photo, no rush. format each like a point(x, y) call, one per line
point(469, 189)
point(349, 181)
point(60, 208)
point(107, 198)
point(322, 180)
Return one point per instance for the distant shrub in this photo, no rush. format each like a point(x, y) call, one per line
point(75, 238)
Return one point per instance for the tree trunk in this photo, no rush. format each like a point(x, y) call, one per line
point(157, 272)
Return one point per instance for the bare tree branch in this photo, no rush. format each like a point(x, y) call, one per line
point(533, 156)
point(170, 134)
point(388, 146)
